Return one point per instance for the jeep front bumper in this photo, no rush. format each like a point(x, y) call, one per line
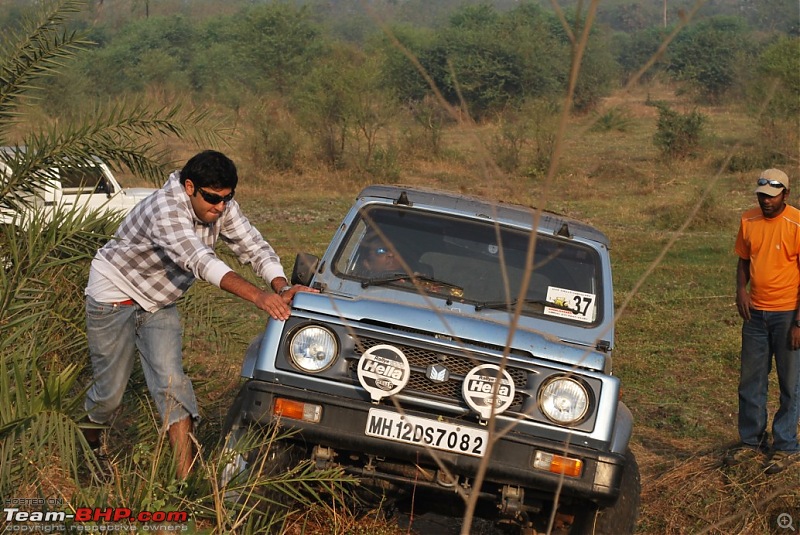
point(339, 436)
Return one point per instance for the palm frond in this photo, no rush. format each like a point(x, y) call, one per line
point(39, 49)
point(126, 134)
point(44, 261)
point(262, 496)
point(37, 417)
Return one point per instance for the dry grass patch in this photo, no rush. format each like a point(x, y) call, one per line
point(698, 495)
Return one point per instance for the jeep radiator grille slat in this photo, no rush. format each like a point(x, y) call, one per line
point(458, 365)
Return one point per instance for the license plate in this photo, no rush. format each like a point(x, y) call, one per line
point(425, 431)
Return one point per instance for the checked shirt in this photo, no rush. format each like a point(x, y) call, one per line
point(161, 248)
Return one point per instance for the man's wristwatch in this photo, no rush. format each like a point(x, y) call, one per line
point(284, 289)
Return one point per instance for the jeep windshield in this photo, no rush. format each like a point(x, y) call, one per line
point(474, 261)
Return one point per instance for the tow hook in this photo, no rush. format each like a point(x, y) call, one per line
point(512, 501)
point(322, 456)
point(445, 480)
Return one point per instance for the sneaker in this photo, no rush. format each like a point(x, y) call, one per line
point(100, 466)
point(741, 453)
point(781, 460)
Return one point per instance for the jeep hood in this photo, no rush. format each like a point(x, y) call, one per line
point(437, 321)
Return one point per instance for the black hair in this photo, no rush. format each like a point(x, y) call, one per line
point(371, 240)
point(210, 169)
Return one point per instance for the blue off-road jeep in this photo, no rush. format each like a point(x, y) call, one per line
point(454, 340)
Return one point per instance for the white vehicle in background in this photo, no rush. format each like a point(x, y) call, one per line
point(88, 185)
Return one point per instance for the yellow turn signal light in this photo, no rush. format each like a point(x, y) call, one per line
point(297, 410)
point(558, 464)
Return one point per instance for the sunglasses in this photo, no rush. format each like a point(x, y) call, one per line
point(380, 251)
point(773, 183)
point(213, 198)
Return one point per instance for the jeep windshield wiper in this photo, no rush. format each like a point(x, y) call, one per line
point(452, 289)
point(385, 279)
point(513, 302)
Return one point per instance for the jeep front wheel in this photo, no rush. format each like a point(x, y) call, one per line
point(251, 453)
point(620, 517)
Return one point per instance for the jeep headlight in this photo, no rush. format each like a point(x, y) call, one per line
point(564, 400)
point(313, 349)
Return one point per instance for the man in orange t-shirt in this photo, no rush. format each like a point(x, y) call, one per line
point(768, 246)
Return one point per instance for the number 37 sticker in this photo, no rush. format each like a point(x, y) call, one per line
point(581, 305)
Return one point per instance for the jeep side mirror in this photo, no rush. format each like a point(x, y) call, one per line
point(305, 265)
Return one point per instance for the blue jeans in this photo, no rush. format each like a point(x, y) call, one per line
point(114, 333)
point(765, 335)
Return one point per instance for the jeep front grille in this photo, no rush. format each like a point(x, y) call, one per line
point(458, 365)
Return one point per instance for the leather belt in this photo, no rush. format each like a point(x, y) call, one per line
point(127, 302)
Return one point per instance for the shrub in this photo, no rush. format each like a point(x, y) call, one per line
point(426, 141)
point(678, 135)
point(484, 60)
point(525, 137)
point(383, 164)
point(543, 116)
point(612, 119)
point(773, 98)
point(705, 56)
point(275, 143)
point(508, 143)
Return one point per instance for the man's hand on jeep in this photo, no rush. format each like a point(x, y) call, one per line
point(273, 304)
point(288, 295)
point(277, 304)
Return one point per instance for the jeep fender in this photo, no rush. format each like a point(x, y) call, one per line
point(250, 357)
point(265, 345)
point(623, 428)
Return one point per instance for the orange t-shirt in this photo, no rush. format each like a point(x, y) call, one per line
point(773, 248)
